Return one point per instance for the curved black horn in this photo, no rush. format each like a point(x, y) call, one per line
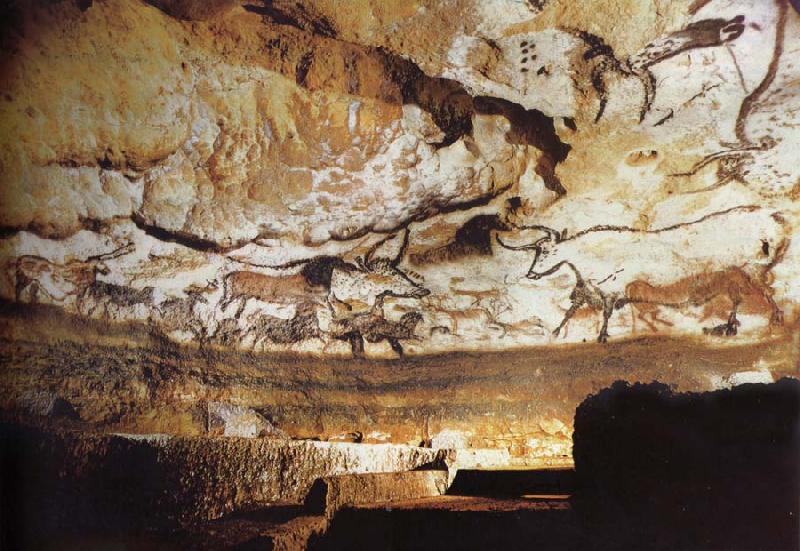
point(554, 234)
point(521, 247)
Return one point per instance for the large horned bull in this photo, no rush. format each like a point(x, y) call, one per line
point(728, 253)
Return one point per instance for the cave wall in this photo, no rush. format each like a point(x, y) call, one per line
point(310, 181)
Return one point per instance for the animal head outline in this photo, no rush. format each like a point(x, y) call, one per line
point(400, 283)
point(542, 247)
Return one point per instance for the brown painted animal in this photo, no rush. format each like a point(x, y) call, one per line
point(446, 319)
point(240, 286)
point(478, 316)
point(373, 327)
point(496, 296)
point(699, 289)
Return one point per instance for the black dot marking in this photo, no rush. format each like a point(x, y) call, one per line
point(523, 44)
point(541, 71)
point(765, 247)
point(525, 51)
point(533, 56)
point(524, 60)
point(524, 69)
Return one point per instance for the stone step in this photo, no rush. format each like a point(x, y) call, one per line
point(330, 494)
point(168, 482)
point(258, 530)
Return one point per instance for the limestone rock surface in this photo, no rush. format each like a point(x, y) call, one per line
point(284, 205)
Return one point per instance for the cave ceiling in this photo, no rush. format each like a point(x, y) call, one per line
point(378, 177)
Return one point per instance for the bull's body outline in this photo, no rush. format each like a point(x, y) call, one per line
point(609, 290)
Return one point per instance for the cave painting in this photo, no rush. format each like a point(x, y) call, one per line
point(721, 262)
point(404, 210)
point(616, 266)
point(705, 33)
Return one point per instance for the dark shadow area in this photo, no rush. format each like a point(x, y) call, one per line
point(295, 14)
point(655, 470)
point(101, 496)
point(531, 127)
point(714, 470)
point(513, 483)
point(485, 527)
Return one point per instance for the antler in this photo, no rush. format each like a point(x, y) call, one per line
point(368, 257)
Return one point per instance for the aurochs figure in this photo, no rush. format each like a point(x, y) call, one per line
point(607, 260)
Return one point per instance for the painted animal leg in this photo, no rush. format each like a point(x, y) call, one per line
point(643, 316)
point(776, 318)
point(106, 311)
point(731, 328)
point(656, 319)
point(21, 284)
point(396, 346)
point(735, 291)
point(357, 345)
point(35, 289)
point(608, 309)
point(576, 304)
point(226, 299)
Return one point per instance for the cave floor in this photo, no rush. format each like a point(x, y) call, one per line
point(548, 522)
point(412, 524)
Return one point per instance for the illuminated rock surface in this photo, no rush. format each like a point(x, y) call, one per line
point(222, 202)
